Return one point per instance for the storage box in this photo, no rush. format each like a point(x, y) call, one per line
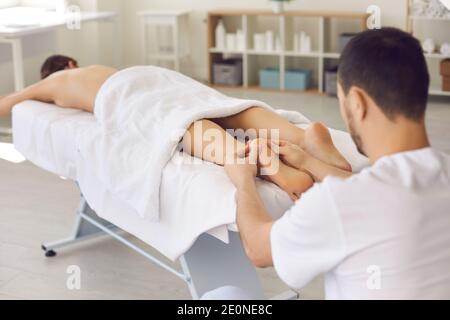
point(446, 83)
point(331, 80)
point(344, 39)
point(228, 72)
point(269, 78)
point(294, 79)
point(297, 79)
point(445, 68)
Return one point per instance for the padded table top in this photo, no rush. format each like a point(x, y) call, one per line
point(45, 135)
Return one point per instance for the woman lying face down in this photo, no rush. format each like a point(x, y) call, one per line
point(69, 86)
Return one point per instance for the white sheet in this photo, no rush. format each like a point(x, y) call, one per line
point(143, 113)
point(194, 198)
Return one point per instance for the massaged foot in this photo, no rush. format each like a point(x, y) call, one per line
point(319, 144)
point(292, 181)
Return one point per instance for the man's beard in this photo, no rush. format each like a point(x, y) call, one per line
point(358, 142)
point(355, 137)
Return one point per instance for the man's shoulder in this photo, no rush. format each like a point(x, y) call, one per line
point(357, 180)
point(403, 171)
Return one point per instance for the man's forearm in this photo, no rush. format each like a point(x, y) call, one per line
point(254, 224)
point(320, 170)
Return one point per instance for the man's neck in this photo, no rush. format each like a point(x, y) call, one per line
point(402, 136)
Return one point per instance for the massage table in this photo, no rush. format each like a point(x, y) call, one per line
point(44, 134)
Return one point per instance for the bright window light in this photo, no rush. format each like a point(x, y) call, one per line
point(32, 13)
point(446, 3)
point(9, 153)
point(25, 16)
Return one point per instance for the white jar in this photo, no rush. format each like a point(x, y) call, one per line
point(220, 35)
point(278, 6)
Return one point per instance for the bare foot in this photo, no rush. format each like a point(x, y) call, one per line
point(319, 144)
point(272, 169)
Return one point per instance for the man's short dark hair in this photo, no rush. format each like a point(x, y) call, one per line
point(54, 64)
point(390, 66)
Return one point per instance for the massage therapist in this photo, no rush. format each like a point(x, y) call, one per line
point(383, 233)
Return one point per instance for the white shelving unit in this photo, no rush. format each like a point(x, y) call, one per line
point(178, 22)
point(283, 27)
point(438, 23)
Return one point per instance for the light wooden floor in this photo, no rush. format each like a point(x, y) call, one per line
point(36, 206)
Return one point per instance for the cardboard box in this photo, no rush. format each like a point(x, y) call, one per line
point(445, 83)
point(445, 68)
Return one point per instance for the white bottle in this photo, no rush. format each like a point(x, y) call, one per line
point(240, 40)
point(259, 42)
point(307, 44)
point(269, 41)
point(278, 46)
point(296, 42)
point(231, 41)
point(221, 33)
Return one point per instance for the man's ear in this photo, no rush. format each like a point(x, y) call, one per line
point(358, 103)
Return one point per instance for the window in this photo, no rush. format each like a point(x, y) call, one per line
point(9, 3)
point(47, 4)
point(23, 13)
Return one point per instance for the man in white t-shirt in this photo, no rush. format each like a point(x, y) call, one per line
point(383, 233)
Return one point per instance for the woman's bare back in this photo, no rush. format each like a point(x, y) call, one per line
point(78, 88)
point(74, 88)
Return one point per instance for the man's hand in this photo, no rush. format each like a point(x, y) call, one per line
point(243, 169)
point(291, 154)
point(253, 221)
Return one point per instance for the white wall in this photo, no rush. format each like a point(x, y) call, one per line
point(82, 44)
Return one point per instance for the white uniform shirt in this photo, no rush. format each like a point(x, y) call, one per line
point(381, 234)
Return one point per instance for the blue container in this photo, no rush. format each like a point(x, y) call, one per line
point(269, 78)
point(297, 79)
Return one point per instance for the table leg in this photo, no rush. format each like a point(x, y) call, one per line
point(117, 44)
point(176, 49)
point(211, 264)
point(19, 79)
point(143, 41)
point(17, 56)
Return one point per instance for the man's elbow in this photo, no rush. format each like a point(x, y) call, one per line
point(258, 258)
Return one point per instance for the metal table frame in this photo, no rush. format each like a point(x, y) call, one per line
point(208, 265)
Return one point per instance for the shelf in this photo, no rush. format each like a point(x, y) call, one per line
point(288, 13)
point(435, 90)
point(166, 56)
point(332, 55)
point(428, 18)
point(312, 54)
point(264, 53)
point(283, 25)
point(439, 92)
point(313, 91)
point(436, 56)
point(215, 50)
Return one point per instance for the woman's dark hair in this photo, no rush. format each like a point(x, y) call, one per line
point(390, 66)
point(54, 64)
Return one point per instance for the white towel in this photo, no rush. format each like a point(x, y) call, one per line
point(142, 114)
